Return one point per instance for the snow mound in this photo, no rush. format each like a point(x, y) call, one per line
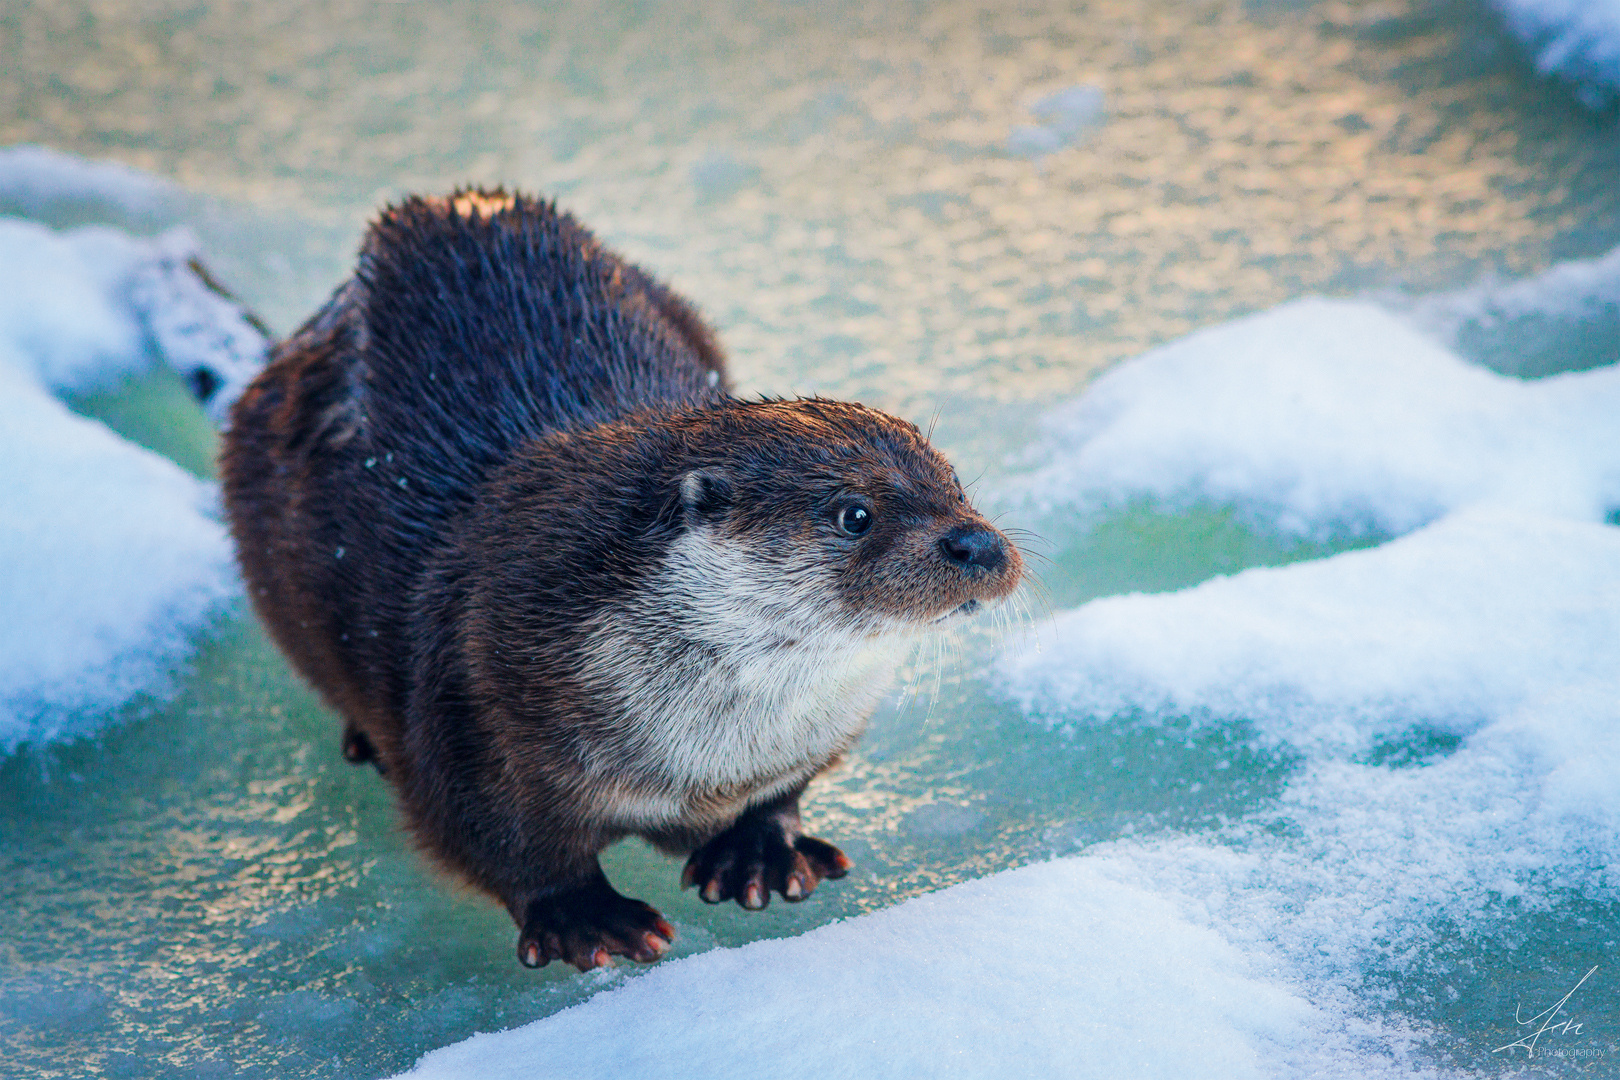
point(1483, 710)
point(1327, 416)
point(1051, 970)
point(1454, 626)
point(1575, 40)
point(1579, 289)
point(111, 556)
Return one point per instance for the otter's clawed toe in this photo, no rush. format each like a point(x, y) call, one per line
point(588, 926)
point(357, 749)
point(758, 856)
point(828, 860)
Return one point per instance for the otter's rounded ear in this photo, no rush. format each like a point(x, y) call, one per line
point(705, 494)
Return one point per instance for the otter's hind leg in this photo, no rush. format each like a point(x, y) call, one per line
point(359, 749)
point(764, 851)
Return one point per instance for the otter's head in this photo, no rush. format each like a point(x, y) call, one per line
point(825, 510)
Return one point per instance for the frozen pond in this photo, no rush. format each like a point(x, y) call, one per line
point(963, 214)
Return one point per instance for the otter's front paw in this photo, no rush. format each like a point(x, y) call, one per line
point(758, 855)
point(589, 925)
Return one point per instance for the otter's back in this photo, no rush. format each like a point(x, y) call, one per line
point(488, 319)
point(473, 324)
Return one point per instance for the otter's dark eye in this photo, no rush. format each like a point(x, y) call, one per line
point(854, 520)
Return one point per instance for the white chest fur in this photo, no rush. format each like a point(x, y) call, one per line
point(732, 672)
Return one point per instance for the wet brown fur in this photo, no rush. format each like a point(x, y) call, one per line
point(496, 503)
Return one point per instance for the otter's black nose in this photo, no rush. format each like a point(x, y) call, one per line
point(973, 545)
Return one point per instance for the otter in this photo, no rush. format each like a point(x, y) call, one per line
point(497, 502)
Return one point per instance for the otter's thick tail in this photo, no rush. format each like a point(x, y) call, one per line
point(203, 332)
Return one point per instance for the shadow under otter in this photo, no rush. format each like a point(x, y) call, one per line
point(496, 502)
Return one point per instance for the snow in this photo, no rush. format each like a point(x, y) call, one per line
point(113, 557)
point(1455, 625)
point(63, 320)
point(1089, 976)
point(1565, 318)
point(1365, 869)
point(1450, 695)
point(1361, 424)
point(1575, 40)
point(1583, 289)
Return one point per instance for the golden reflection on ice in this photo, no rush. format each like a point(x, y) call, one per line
point(835, 184)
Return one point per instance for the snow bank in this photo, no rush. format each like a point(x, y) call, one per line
point(1575, 40)
point(1330, 416)
point(1050, 970)
point(1454, 697)
point(1584, 290)
point(1451, 627)
point(111, 556)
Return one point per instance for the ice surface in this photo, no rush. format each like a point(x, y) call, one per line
point(1068, 110)
point(1576, 40)
point(720, 174)
point(111, 556)
point(1332, 416)
point(1362, 852)
point(1056, 969)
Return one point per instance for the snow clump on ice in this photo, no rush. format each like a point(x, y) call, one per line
point(111, 556)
